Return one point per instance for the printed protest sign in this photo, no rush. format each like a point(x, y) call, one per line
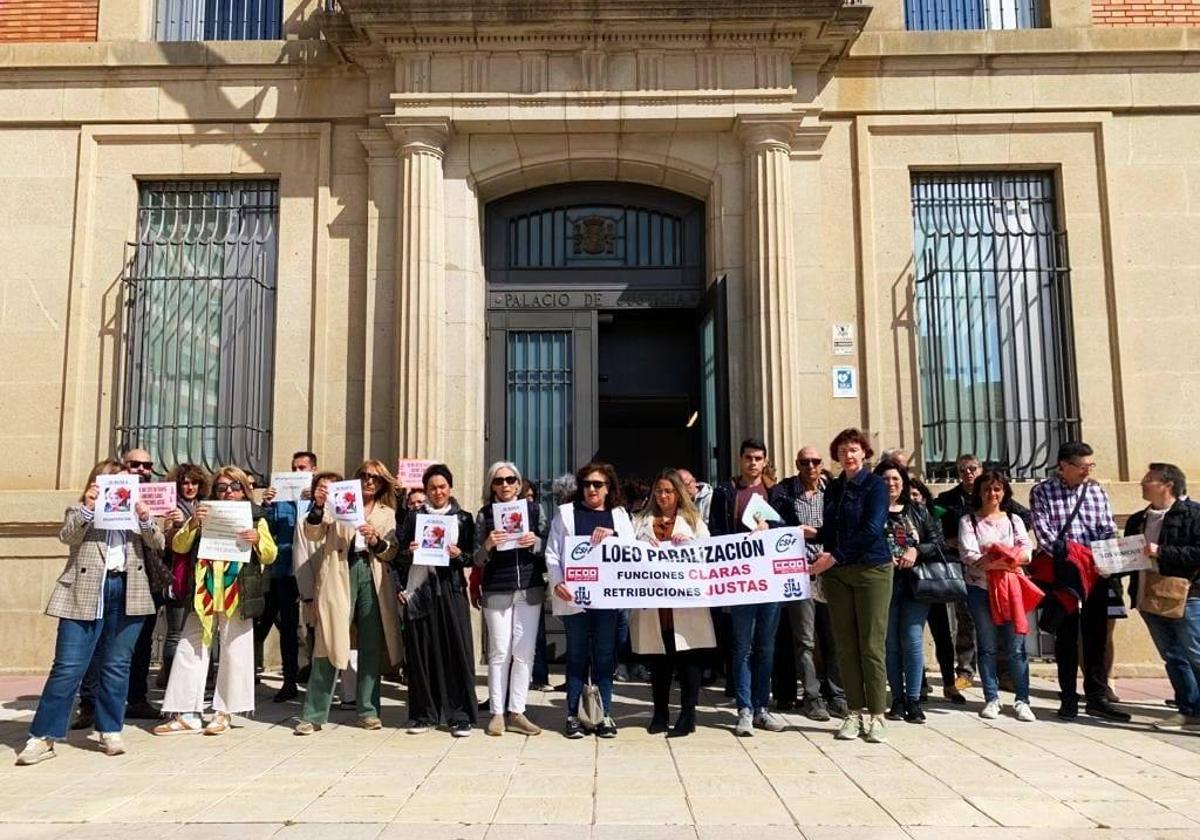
point(219, 533)
point(409, 472)
point(513, 519)
point(159, 496)
point(755, 568)
point(346, 502)
point(434, 535)
point(289, 486)
point(1123, 554)
point(758, 510)
point(114, 506)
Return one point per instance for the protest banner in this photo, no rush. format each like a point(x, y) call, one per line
point(289, 486)
point(114, 506)
point(513, 519)
point(435, 535)
point(346, 502)
point(219, 533)
point(754, 568)
point(410, 472)
point(158, 496)
point(1120, 555)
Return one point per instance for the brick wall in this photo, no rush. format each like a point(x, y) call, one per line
point(1146, 12)
point(48, 20)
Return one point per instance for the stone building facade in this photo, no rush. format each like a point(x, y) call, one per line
point(765, 184)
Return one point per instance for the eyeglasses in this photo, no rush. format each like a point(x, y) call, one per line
point(224, 487)
point(594, 485)
point(371, 477)
point(144, 465)
point(1086, 466)
point(808, 462)
point(969, 468)
point(505, 479)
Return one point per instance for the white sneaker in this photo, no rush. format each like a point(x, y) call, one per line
point(991, 710)
point(851, 727)
point(769, 721)
point(876, 731)
point(745, 724)
point(36, 750)
point(113, 743)
point(1024, 712)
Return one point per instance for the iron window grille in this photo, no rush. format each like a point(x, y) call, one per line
point(993, 319)
point(218, 20)
point(928, 15)
point(595, 237)
point(199, 323)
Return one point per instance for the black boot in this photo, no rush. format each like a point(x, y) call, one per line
point(896, 712)
point(658, 723)
point(913, 713)
point(685, 724)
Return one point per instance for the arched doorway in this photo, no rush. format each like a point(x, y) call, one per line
point(604, 339)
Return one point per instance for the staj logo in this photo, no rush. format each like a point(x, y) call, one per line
point(792, 589)
point(786, 542)
point(581, 551)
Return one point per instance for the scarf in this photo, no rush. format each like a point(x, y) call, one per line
point(217, 591)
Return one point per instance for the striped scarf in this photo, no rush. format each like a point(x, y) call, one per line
point(217, 591)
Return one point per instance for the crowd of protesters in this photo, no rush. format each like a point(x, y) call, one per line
point(886, 558)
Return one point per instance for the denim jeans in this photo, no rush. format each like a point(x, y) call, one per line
point(1178, 643)
point(905, 643)
point(987, 638)
point(754, 628)
point(591, 640)
point(111, 639)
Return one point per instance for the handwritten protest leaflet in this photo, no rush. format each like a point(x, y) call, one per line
point(435, 535)
point(410, 472)
point(346, 501)
point(114, 506)
point(159, 496)
point(290, 485)
point(757, 510)
point(513, 519)
point(719, 571)
point(219, 533)
point(1123, 554)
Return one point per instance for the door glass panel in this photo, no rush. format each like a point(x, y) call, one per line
point(539, 401)
point(708, 395)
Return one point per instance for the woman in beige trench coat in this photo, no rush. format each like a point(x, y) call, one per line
point(350, 586)
point(675, 640)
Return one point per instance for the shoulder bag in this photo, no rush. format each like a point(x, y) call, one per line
point(937, 580)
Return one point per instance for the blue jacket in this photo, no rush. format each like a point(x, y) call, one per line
point(281, 519)
point(855, 515)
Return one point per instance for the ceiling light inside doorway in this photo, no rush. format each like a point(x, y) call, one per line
point(692, 420)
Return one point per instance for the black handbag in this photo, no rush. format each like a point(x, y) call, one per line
point(937, 581)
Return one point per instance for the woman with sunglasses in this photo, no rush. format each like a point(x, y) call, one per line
point(439, 652)
point(100, 600)
point(225, 599)
point(596, 512)
point(191, 485)
point(513, 589)
point(352, 590)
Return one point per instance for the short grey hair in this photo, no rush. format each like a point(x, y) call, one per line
point(563, 488)
point(491, 473)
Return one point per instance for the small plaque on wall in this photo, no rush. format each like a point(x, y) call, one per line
point(845, 382)
point(843, 339)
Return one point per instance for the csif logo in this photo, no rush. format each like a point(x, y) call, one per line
point(581, 551)
point(786, 542)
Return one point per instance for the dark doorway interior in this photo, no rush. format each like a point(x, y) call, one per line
point(649, 390)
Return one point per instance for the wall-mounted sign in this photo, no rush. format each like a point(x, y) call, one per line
point(603, 299)
point(845, 382)
point(843, 339)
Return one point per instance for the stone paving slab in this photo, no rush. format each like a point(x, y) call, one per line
point(958, 778)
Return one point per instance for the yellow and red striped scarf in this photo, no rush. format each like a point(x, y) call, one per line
point(217, 591)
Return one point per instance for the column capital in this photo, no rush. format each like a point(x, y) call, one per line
point(768, 131)
point(430, 136)
point(378, 143)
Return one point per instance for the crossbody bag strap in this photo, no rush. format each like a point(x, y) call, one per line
point(1074, 513)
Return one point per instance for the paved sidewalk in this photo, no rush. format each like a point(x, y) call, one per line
point(958, 778)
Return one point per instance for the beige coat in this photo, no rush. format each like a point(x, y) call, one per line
point(693, 626)
point(322, 559)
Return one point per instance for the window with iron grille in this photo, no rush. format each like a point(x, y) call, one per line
point(218, 20)
point(199, 323)
point(993, 317)
point(926, 15)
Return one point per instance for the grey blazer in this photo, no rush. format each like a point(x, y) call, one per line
point(77, 591)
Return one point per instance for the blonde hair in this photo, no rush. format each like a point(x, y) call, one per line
point(238, 476)
point(106, 467)
point(386, 496)
point(686, 508)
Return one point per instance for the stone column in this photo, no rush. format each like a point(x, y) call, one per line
point(420, 287)
point(772, 345)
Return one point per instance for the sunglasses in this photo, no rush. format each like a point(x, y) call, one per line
point(808, 462)
point(594, 485)
point(371, 477)
point(223, 487)
point(505, 479)
point(145, 465)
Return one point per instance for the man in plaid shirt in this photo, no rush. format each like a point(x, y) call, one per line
point(1052, 502)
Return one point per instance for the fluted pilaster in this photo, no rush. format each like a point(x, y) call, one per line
point(771, 306)
point(421, 288)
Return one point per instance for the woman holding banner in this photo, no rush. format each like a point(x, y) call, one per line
point(856, 569)
point(100, 600)
point(674, 639)
point(438, 647)
point(225, 598)
point(352, 588)
point(513, 591)
point(596, 513)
